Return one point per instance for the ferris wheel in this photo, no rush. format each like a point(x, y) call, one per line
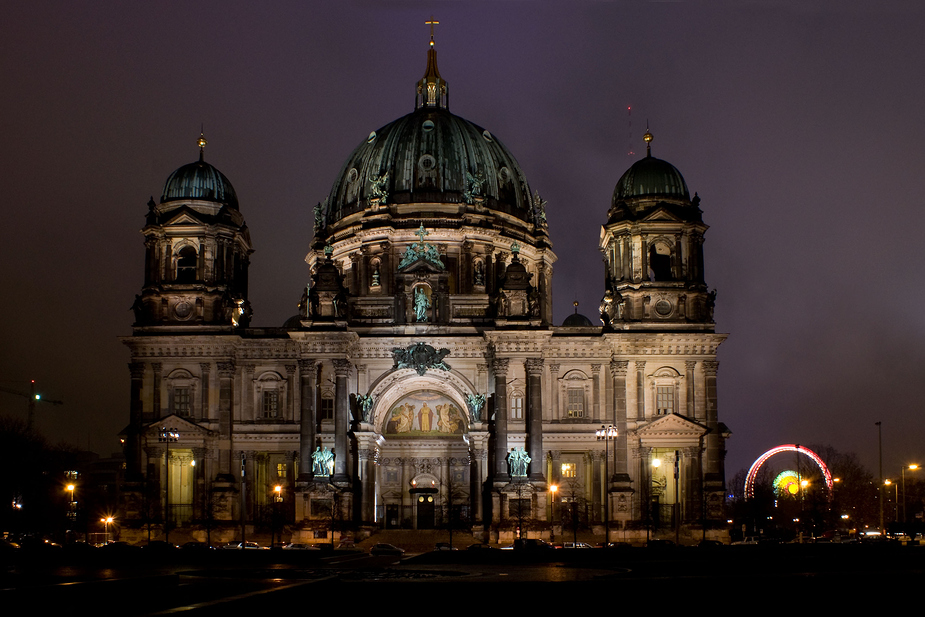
point(761, 460)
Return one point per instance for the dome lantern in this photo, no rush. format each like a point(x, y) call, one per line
point(432, 90)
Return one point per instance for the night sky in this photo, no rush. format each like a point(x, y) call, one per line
point(800, 124)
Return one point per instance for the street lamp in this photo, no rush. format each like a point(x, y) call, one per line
point(107, 521)
point(889, 482)
point(277, 499)
point(912, 467)
point(168, 436)
point(607, 434)
point(553, 489)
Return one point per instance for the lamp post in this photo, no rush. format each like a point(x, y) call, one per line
point(553, 489)
point(895, 486)
point(607, 434)
point(107, 521)
point(912, 467)
point(656, 463)
point(167, 436)
point(277, 499)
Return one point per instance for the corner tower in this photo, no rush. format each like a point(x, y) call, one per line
point(197, 249)
point(653, 252)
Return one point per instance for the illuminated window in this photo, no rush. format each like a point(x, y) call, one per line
point(181, 402)
point(281, 469)
point(576, 403)
point(664, 400)
point(569, 470)
point(517, 408)
point(271, 404)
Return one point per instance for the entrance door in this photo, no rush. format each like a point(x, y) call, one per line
point(425, 512)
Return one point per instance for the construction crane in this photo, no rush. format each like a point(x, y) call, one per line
point(33, 398)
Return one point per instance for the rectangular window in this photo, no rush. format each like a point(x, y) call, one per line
point(181, 402)
point(517, 408)
point(327, 409)
point(281, 470)
point(569, 470)
point(271, 404)
point(576, 403)
point(664, 400)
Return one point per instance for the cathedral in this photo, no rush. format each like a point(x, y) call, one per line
point(423, 383)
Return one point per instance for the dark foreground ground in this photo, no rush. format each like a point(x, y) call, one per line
point(756, 579)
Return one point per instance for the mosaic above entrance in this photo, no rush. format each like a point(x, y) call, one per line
point(425, 414)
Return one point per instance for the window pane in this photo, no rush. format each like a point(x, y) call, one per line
point(576, 403)
point(181, 402)
point(271, 404)
point(664, 400)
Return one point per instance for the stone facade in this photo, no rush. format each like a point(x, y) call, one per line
point(424, 360)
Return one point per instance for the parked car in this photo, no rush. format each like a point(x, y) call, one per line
point(298, 546)
point(248, 546)
point(479, 546)
point(531, 544)
point(386, 549)
point(576, 545)
point(444, 546)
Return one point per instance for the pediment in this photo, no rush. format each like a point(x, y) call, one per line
point(661, 214)
point(673, 427)
point(184, 216)
point(188, 430)
point(420, 265)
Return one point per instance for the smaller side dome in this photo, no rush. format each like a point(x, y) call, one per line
point(651, 177)
point(577, 320)
point(199, 180)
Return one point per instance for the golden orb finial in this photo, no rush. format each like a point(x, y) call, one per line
point(648, 137)
point(202, 143)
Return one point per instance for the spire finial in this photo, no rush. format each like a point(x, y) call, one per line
point(648, 137)
point(432, 89)
point(575, 304)
point(432, 23)
point(202, 143)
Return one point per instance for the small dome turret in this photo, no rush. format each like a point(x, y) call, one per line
point(201, 181)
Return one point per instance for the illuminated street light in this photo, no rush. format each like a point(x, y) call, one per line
point(607, 434)
point(912, 467)
point(168, 436)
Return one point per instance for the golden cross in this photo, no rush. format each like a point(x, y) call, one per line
point(432, 23)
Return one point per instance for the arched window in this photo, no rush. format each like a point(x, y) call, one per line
point(187, 264)
point(660, 262)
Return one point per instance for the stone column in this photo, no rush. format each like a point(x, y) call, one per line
point(640, 390)
point(288, 414)
point(618, 370)
point(156, 411)
point(366, 472)
point(307, 373)
point(713, 465)
point(225, 420)
point(689, 367)
point(247, 405)
point(554, 391)
point(205, 389)
point(499, 367)
point(534, 370)
point(136, 415)
point(341, 421)
point(596, 392)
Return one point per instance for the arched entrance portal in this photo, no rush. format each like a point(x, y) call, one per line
point(423, 473)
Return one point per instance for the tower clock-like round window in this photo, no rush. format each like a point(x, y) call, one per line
point(663, 308)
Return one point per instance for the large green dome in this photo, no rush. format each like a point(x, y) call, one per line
point(430, 156)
